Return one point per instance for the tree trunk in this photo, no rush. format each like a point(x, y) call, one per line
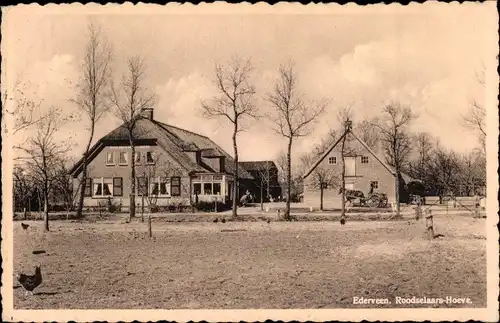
point(397, 194)
point(321, 197)
point(288, 178)
point(268, 180)
point(79, 210)
point(342, 214)
point(46, 208)
point(132, 183)
point(236, 180)
point(262, 196)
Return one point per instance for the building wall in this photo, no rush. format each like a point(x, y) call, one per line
point(164, 165)
point(365, 173)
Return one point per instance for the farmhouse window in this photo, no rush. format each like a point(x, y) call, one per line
point(332, 160)
point(102, 187)
point(117, 186)
point(88, 187)
point(110, 158)
point(123, 158)
point(159, 186)
point(364, 159)
point(217, 189)
point(197, 188)
point(150, 157)
point(207, 188)
point(374, 184)
point(175, 186)
point(207, 185)
point(137, 157)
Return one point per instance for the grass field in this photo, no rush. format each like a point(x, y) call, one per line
point(109, 264)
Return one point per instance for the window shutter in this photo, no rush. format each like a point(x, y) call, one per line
point(88, 187)
point(175, 186)
point(117, 186)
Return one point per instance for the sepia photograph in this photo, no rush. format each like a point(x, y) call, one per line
point(239, 162)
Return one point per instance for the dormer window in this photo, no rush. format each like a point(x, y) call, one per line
point(332, 160)
point(364, 159)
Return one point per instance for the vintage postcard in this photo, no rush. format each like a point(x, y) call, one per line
point(249, 162)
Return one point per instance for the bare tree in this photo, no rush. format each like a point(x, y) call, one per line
point(160, 168)
point(396, 139)
point(43, 153)
point(236, 103)
point(344, 116)
point(17, 103)
point(369, 133)
point(93, 95)
point(321, 177)
point(475, 119)
point(446, 170)
point(292, 117)
point(22, 187)
point(62, 186)
point(130, 99)
point(265, 175)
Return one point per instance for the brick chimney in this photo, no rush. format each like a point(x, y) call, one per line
point(147, 113)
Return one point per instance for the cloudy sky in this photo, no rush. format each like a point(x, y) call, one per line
point(425, 56)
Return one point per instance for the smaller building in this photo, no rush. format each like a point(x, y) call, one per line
point(265, 180)
point(364, 171)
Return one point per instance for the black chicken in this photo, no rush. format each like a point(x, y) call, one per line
point(216, 220)
point(268, 220)
point(30, 282)
point(342, 221)
point(223, 220)
point(25, 226)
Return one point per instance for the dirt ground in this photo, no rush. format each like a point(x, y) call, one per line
point(243, 265)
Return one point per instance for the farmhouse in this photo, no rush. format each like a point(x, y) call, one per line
point(364, 169)
point(173, 166)
point(265, 179)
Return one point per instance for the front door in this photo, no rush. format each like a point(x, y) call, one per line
point(350, 166)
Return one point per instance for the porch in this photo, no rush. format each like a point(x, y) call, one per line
point(211, 188)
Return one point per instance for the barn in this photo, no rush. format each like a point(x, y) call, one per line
point(364, 169)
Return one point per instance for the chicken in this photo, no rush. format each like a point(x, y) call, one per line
point(216, 220)
point(342, 221)
point(223, 220)
point(268, 220)
point(30, 282)
point(25, 226)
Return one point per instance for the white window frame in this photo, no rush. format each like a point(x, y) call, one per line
point(207, 179)
point(157, 180)
point(332, 158)
point(113, 163)
point(100, 180)
point(126, 158)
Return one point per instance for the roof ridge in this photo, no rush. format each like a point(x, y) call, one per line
point(182, 129)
